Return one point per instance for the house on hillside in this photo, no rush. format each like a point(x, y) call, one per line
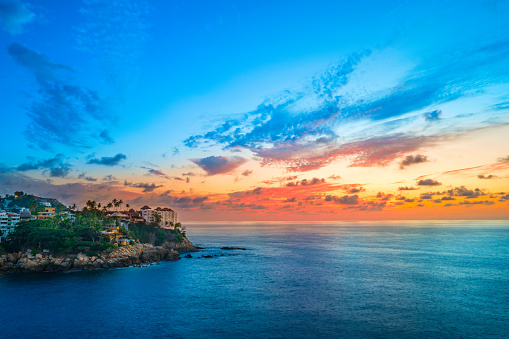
point(8, 223)
point(167, 216)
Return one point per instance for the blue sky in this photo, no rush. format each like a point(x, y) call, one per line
point(220, 88)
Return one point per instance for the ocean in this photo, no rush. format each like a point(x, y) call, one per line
point(294, 280)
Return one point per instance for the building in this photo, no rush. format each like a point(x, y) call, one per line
point(135, 217)
point(25, 214)
point(67, 215)
point(168, 217)
point(8, 222)
point(44, 203)
point(48, 213)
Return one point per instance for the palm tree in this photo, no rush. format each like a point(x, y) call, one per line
point(127, 206)
point(110, 205)
point(115, 202)
point(120, 202)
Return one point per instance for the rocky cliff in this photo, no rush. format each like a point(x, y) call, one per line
point(182, 246)
point(131, 255)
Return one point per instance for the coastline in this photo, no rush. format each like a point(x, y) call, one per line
point(126, 256)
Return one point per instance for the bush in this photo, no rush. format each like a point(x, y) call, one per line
point(34, 252)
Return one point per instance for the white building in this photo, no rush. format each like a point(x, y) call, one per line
point(8, 222)
point(167, 216)
point(44, 203)
point(67, 215)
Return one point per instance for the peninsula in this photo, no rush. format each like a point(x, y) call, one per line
point(40, 234)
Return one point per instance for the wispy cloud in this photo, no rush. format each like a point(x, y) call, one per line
point(146, 186)
point(288, 131)
point(62, 112)
point(14, 14)
point(117, 31)
point(108, 161)
point(57, 167)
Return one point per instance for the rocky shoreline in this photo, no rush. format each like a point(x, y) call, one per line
point(131, 255)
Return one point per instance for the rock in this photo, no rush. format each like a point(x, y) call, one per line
point(233, 248)
point(131, 255)
point(188, 256)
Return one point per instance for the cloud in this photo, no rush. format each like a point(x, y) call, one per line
point(219, 165)
point(432, 116)
point(146, 186)
point(61, 111)
point(44, 71)
point(312, 127)
point(344, 200)
point(157, 172)
point(247, 173)
point(14, 15)
point(462, 191)
point(428, 182)
point(412, 160)
point(306, 182)
point(406, 188)
point(491, 176)
point(117, 31)
point(503, 159)
point(106, 137)
point(108, 161)
point(56, 166)
point(85, 177)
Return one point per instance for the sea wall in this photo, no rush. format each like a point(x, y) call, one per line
point(130, 255)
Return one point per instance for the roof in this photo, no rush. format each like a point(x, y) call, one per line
point(159, 209)
point(145, 208)
point(117, 214)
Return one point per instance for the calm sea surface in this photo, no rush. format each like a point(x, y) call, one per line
point(418, 280)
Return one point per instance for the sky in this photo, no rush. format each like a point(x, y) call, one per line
point(259, 110)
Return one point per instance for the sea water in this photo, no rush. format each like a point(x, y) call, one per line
point(340, 280)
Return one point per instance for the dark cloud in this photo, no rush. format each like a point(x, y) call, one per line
point(426, 196)
point(479, 202)
point(386, 197)
point(406, 188)
point(491, 176)
point(156, 172)
point(56, 166)
point(61, 111)
point(462, 191)
point(503, 159)
point(306, 182)
point(219, 165)
point(108, 161)
point(146, 186)
point(85, 177)
point(14, 15)
point(412, 160)
point(344, 200)
point(188, 174)
point(428, 182)
point(432, 116)
point(247, 173)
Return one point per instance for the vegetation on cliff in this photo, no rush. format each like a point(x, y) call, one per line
point(81, 235)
